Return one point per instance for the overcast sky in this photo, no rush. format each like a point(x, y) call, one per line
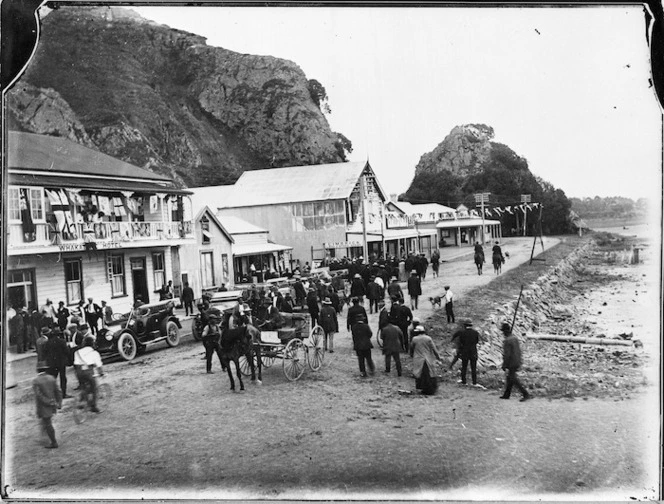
point(566, 88)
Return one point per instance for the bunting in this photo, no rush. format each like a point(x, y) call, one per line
point(104, 205)
point(510, 209)
point(154, 204)
point(29, 230)
point(60, 209)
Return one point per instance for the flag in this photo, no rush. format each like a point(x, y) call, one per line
point(118, 206)
point(104, 205)
point(76, 198)
point(487, 212)
point(528, 206)
point(509, 210)
point(499, 211)
point(29, 234)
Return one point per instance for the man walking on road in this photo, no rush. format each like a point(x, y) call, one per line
point(414, 289)
point(512, 363)
point(356, 313)
point(449, 306)
point(468, 338)
point(362, 346)
point(392, 337)
point(48, 398)
point(187, 299)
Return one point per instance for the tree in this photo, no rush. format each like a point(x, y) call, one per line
point(318, 95)
point(343, 145)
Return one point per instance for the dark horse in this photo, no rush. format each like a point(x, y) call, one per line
point(497, 263)
point(234, 343)
point(479, 261)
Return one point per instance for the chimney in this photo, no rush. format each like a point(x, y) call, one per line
point(393, 197)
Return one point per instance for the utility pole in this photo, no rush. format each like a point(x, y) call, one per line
point(482, 198)
point(363, 191)
point(525, 198)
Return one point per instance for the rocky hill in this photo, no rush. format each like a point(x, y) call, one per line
point(463, 152)
point(163, 99)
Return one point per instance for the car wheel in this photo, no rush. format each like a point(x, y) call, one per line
point(127, 346)
point(172, 334)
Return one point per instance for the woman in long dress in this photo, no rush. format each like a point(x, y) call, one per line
point(424, 354)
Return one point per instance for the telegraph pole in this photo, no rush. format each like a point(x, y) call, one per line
point(525, 198)
point(482, 198)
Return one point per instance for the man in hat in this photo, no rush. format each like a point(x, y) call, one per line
point(356, 313)
point(92, 314)
point(211, 338)
point(312, 305)
point(468, 338)
point(435, 262)
point(449, 306)
point(48, 399)
point(374, 294)
point(87, 362)
point(414, 289)
point(394, 289)
point(49, 312)
point(107, 314)
point(401, 316)
point(512, 363)
point(424, 354)
point(57, 357)
point(62, 315)
point(362, 346)
point(357, 288)
point(329, 323)
point(392, 338)
point(300, 293)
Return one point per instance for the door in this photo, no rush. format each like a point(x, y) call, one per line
point(20, 288)
point(139, 279)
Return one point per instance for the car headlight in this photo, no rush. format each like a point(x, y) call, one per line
point(108, 336)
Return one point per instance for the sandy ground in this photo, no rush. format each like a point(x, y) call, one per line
point(173, 431)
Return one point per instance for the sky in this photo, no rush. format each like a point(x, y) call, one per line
point(566, 88)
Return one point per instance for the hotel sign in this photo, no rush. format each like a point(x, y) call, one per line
point(341, 245)
point(79, 247)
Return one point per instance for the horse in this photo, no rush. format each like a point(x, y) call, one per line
point(234, 343)
point(497, 263)
point(479, 261)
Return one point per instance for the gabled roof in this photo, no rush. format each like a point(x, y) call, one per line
point(235, 225)
point(212, 196)
point(207, 210)
point(296, 184)
point(59, 156)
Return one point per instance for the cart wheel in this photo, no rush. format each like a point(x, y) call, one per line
point(267, 359)
point(245, 366)
point(294, 359)
point(316, 350)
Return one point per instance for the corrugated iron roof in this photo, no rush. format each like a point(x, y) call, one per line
point(92, 184)
point(295, 184)
point(211, 196)
point(422, 208)
point(29, 151)
point(235, 225)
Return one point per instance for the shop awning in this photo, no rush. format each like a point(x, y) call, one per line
point(461, 223)
point(400, 234)
point(358, 237)
point(258, 249)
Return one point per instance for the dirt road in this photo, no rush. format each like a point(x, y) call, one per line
point(175, 432)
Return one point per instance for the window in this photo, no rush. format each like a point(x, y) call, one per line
point(13, 204)
point(37, 204)
point(74, 280)
point(207, 270)
point(158, 266)
point(224, 266)
point(117, 276)
point(205, 230)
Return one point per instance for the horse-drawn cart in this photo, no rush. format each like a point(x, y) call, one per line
point(297, 344)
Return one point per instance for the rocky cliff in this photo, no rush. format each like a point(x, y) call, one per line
point(163, 99)
point(463, 152)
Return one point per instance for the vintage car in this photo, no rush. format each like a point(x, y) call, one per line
point(145, 325)
point(220, 303)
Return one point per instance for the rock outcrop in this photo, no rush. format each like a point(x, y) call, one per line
point(463, 152)
point(163, 99)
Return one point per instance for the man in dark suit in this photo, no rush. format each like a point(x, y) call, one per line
point(512, 363)
point(362, 346)
point(48, 398)
point(92, 314)
point(467, 338)
point(187, 299)
point(57, 358)
point(356, 313)
point(414, 289)
point(392, 338)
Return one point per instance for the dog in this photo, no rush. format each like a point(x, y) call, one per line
point(436, 300)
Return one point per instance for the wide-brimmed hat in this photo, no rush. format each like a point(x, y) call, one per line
point(327, 301)
point(84, 327)
point(394, 278)
point(467, 322)
point(357, 275)
point(506, 328)
point(46, 330)
point(413, 272)
point(447, 287)
point(419, 330)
